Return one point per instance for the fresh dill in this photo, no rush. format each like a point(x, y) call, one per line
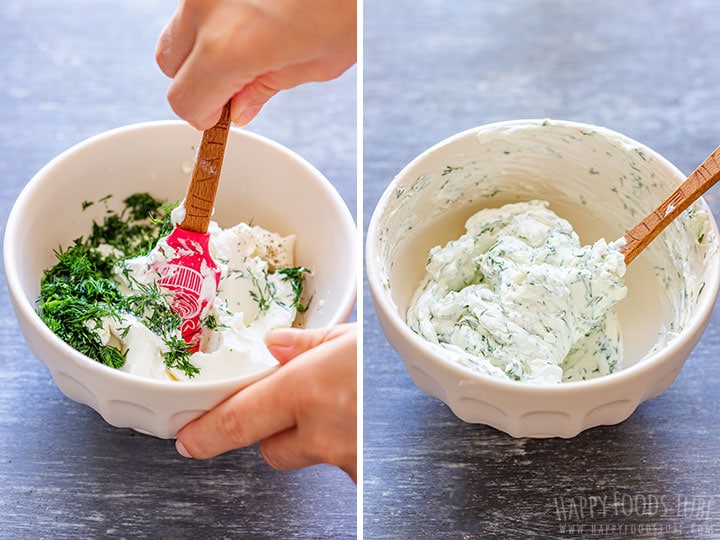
point(210, 322)
point(264, 292)
point(81, 290)
point(75, 297)
point(296, 276)
point(135, 229)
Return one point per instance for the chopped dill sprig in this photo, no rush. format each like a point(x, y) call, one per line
point(296, 276)
point(264, 292)
point(133, 231)
point(179, 356)
point(210, 322)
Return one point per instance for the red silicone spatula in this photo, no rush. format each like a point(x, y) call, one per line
point(190, 275)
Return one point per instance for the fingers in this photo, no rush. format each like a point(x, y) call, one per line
point(248, 52)
point(326, 404)
point(302, 414)
point(254, 413)
point(287, 343)
point(198, 93)
point(248, 102)
point(264, 408)
point(285, 451)
point(179, 55)
point(175, 43)
point(289, 450)
point(228, 51)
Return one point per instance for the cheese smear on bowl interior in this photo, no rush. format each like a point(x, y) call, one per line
point(517, 297)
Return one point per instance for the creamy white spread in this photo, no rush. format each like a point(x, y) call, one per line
point(251, 299)
point(518, 297)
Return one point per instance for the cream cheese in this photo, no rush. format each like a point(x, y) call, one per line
point(252, 298)
point(518, 297)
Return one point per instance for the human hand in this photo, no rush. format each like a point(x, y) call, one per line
point(248, 50)
point(302, 414)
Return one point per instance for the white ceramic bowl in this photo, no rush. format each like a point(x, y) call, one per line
point(261, 181)
point(603, 183)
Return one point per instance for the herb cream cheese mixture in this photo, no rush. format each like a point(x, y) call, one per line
point(518, 297)
point(102, 297)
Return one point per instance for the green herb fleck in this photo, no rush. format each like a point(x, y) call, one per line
point(210, 322)
point(296, 277)
point(264, 293)
point(448, 169)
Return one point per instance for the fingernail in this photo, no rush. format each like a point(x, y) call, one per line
point(281, 343)
point(280, 337)
point(182, 450)
point(246, 115)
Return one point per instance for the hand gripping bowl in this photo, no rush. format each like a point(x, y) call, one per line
point(262, 182)
point(603, 183)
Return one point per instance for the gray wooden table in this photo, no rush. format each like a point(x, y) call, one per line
point(646, 68)
point(69, 70)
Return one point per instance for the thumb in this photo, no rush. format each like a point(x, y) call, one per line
point(248, 102)
point(287, 343)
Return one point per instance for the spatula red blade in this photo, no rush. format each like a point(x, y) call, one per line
point(190, 278)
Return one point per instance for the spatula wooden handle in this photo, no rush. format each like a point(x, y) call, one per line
point(200, 197)
point(702, 179)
